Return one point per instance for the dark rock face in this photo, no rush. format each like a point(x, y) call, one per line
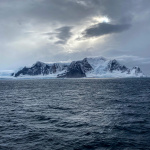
point(137, 70)
point(76, 69)
point(113, 65)
point(40, 68)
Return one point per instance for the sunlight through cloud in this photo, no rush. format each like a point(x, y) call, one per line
point(101, 19)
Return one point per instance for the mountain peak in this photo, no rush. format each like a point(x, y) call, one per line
point(38, 63)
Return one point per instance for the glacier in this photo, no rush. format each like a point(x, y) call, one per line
point(6, 74)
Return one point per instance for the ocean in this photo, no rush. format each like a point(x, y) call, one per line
point(75, 114)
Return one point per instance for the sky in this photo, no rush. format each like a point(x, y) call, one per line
point(66, 30)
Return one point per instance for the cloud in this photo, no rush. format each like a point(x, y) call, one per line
point(60, 35)
point(103, 29)
point(63, 34)
point(24, 22)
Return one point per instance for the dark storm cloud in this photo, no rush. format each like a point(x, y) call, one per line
point(64, 33)
point(103, 29)
point(63, 11)
point(43, 11)
point(69, 11)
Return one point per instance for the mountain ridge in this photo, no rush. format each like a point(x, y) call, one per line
point(87, 67)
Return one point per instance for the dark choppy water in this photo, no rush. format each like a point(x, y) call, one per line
point(75, 114)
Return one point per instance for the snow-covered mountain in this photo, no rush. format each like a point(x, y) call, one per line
point(88, 67)
point(103, 67)
point(41, 68)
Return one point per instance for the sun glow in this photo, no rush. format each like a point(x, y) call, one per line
point(101, 19)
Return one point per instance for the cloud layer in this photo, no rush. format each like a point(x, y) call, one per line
point(49, 30)
point(103, 29)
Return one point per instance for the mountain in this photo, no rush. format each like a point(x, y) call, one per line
point(103, 67)
point(77, 69)
point(40, 68)
point(88, 67)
